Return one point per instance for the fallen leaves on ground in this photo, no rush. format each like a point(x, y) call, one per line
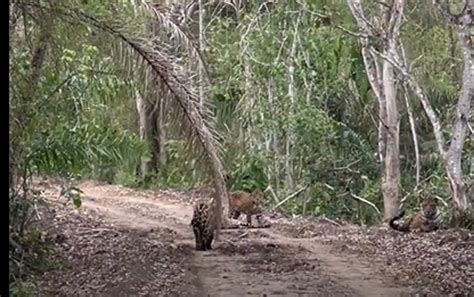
point(438, 262)
point(101, 259)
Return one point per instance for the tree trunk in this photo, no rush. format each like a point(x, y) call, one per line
point(382, 80)
point(142, 128)
point(292, 97)
point(162, 133)
point(411, 119)
point(275, 169)
point(155, 138)
point(249, 102)
point(454, 154)
point(391, 168)
point(151, 131)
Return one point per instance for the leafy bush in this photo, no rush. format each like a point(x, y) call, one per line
point(84, 149)
point(248, 172)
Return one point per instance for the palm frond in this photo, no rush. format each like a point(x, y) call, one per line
point(156, 59)
point(179, 32)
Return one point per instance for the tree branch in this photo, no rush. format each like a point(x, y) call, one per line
point(296, 193)
point(358, 198)
point(443, 10)
point(411, 81)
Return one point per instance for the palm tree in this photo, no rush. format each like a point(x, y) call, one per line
point(147, 41)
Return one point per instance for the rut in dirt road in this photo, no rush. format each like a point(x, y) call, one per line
point(244, 262)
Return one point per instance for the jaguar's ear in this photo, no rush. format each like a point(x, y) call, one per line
point(258, 194)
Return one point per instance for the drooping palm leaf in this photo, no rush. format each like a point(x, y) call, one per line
point(157, 65)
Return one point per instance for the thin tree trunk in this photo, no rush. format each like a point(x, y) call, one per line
point(381, 77)
point(162, 133)
point(155, 137)
point(273, 136)
point(143, 128)
point(463, 24)
point(249, 102)
point(391, 176)
point(291, 95)
point(454, 154)
point(411, 119)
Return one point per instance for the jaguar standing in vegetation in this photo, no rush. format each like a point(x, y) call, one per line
point(426, 220)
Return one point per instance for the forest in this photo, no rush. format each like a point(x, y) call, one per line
point(344, 111)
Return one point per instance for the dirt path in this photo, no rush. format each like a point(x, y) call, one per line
point(257, 262)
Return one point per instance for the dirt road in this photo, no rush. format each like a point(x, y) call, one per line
point(257, 262)
point(149, 247)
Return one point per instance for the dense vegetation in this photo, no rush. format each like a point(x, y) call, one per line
point(283, 88)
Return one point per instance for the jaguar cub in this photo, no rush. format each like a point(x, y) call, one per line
point(246, 203)
point(204, 223)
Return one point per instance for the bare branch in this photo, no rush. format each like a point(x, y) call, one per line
point(330, 221)
point(352, 33)
point(411, 119)
point(429, 110)
point(358, 198)
point(443, 10)
point(357, 11)
point(296, 193)
point(275, 197)
point(396, 16)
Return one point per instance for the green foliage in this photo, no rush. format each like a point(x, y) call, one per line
point(178, 170)
point(83, 148)
point(333, 118)
point(247, 172)
point(22, 289)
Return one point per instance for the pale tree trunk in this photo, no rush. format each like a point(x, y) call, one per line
point(411, 119)
point(248, 134)
point(249, 103)
point(292, 97)
point(381, 77)
point(260, 136)
point(454, 154)
point(274, 171)
point(150, 130)
point(391, 176)
point(463, 24)
point(143, 127)
point(162, 133)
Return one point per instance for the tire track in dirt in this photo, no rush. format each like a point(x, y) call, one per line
point(251, 263)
